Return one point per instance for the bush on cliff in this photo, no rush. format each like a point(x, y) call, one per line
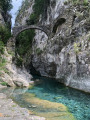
point(4, 34)
point(5, 5)
point(75, 2)
point(1, 47)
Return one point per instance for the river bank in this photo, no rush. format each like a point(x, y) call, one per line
point(31, 108)
point(11, 111)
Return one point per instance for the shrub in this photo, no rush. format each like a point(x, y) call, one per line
point(1, 47)
point(24, 42)
point(2, 65)
point(85, 2)
point(38, 51)
point(6, 5)
point(4, 83)
point(2, 62)
point(5, 34)
point(33, 19)
point(76, 48)
point(19, 61)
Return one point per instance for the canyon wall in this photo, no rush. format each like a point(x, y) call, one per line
point(10, 75)
point(66, 55)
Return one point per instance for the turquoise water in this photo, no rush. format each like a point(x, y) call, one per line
point(78, 102)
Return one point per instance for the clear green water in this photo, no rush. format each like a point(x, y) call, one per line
point(78, 102)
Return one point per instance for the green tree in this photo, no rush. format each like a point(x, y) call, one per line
point(24, 42)
point(6, 5)
point(5, 34)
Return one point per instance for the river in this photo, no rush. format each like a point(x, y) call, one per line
point(77, 102)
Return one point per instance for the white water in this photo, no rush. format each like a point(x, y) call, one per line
point(16, 5)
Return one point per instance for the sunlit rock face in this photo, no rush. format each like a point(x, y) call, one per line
point(65, 56)
point(26, 10)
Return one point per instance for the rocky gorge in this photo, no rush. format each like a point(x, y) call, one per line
point(65, 54)
point(51, 40)
point(10, 75)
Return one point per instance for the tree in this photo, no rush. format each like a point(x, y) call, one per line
point(6, 5)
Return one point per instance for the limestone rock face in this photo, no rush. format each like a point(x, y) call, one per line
point(15, 76)
point(5, 18)
point(65, 56)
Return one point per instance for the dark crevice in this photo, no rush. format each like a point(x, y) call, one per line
point(58, 23)
point(33, 70)
point(74, 17)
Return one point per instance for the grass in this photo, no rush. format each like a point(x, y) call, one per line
point(4, 83)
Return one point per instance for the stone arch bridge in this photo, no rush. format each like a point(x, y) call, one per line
point(50, 30)
point(17, 30)
point(66, 19)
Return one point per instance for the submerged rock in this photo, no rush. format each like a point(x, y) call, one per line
point(47, 109)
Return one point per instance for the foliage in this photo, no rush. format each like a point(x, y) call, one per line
point(19, 61)
point(24, 42)
point(33, 19)
point(40, 7)
point(6, 71)
point(5, 5)
point(75, 2)
point(2, 62)
point(5, 34)
point(4, 83)
point(38, 51)
point(23, 45)
point(76, 48)
point(1, 47)
point(85, 2)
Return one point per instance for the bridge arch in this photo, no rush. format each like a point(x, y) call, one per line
point(18, 30)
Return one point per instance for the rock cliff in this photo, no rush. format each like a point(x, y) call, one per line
point(10, 75)
point(66, 54)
